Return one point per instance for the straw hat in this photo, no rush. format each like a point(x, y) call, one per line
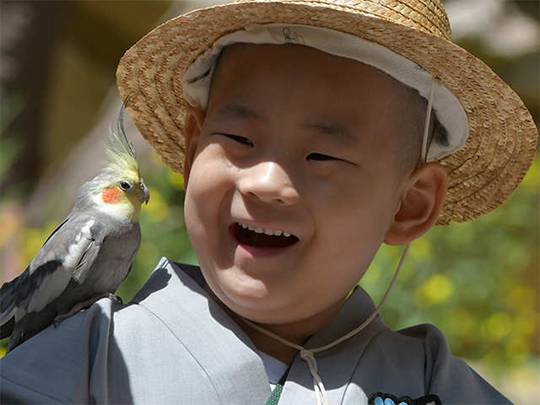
point(502, 137)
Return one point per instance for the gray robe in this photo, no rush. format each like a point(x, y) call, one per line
point(174, 345)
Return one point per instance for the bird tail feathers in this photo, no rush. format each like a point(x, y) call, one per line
point(8, 299)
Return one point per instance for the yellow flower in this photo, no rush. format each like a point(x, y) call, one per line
point(435, 290)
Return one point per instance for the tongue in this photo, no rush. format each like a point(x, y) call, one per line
point(250, 238)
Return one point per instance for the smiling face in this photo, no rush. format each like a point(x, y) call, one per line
point(301, 145)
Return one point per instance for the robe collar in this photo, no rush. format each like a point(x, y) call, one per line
point(193, 316)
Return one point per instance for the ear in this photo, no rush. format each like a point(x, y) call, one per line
point(420, 204)
point(192, 129)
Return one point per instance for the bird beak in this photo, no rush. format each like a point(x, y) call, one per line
point(146, 194)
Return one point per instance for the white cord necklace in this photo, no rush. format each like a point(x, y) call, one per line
point(308, 355)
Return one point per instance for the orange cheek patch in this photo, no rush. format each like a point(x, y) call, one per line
point(111, 195)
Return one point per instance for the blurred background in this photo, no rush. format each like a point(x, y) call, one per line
point(478, 282)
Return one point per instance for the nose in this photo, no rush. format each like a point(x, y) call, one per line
point(268, 182)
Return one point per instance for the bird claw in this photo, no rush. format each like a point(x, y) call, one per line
point(82, 306)
point(116, 298)
point(59, 318)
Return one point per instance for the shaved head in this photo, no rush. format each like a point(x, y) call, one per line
point(411, 109)
point(409, 118)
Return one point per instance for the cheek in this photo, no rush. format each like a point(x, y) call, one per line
point(210, 184)
point(354, 219)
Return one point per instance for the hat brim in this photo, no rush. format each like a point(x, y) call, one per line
point(502, 135)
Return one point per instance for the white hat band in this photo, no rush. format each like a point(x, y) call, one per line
point(449, 111)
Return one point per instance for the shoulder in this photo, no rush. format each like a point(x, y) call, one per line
point(61, 363)
point(420, 357)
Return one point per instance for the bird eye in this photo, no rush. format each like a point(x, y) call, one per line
point(124, 185)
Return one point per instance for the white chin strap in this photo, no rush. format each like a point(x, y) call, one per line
point(308, 355)
point(449, 111)
point(427, 124)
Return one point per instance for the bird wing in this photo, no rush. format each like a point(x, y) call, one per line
point(68, 253)
point(55, 230)
point(86, 260)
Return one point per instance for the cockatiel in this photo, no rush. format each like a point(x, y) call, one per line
point(87, 256)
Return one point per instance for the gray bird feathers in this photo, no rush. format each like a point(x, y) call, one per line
point(88, 255)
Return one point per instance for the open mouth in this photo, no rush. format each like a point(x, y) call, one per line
point(261, 238)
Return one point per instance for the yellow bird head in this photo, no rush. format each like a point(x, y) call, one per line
point(118, 189)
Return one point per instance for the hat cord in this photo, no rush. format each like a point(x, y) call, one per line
point(308, 355)
point(425, 148)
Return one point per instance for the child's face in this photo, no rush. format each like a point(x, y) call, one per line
point(299, 141)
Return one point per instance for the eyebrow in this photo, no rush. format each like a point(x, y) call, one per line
point(235, 111)
point(331, 129)
point(328, 128)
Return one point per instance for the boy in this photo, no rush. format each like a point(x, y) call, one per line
point(312, 135)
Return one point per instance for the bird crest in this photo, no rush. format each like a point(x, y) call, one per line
point(120, 151)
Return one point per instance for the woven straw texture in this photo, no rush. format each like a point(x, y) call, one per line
point(503, 137)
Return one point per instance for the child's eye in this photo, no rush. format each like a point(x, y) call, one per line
point(320, 156)
point(237, 138)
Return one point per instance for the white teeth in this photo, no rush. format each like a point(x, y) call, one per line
point(265, 231)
